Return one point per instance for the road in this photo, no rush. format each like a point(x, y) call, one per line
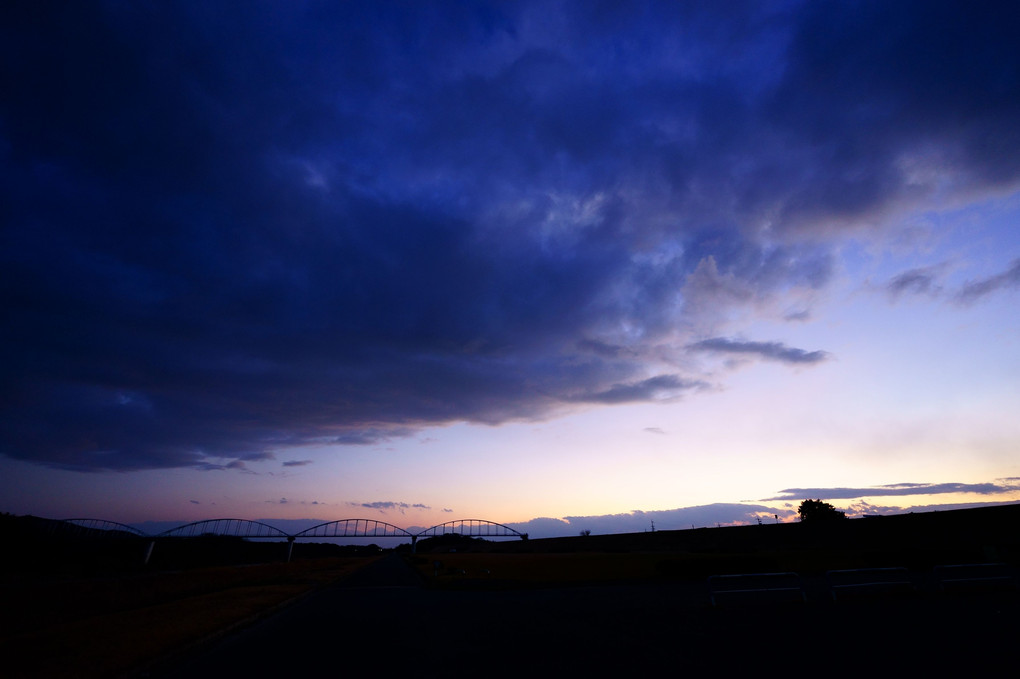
point(383, 620)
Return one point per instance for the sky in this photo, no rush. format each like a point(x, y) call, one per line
point(562, 266)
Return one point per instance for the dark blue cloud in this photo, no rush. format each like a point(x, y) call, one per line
point(638, 521)
point(921, 281)
point(658, 388)
point(865, 509)
point(225, 232)
point(926, 281)
point(975, 290)
point(1001, 486)
point(773, 351)
point(382, 507)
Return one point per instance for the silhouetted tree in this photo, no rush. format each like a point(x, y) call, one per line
point(816, 511)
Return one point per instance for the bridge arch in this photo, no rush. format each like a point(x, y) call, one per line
point(100, 528)
point(472, 528)
point(235, 528)
point(354, 528)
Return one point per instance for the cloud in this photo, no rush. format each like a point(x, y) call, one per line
point(325, 227)
point(641, 521)
point(297, 463)
point(658, 388)
point(1003, 486)
point(260, 456)
point(862, 508)
point(544, 527)
point(795, 316)
point(390, 506)
point(371, 435)
point(773, 351)
point(238, 465)
point(926, 281)
point(727, 514)
point(654, 430)
point(978, 289)
point(602, 349)
point(194, 502)
point(920, 281)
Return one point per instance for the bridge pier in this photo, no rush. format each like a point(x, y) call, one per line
point(414, 544)
point(290, 547)
point(148, 552)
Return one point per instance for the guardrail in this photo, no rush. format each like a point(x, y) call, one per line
point(970, 577)
point(756, 588)
point(857, 582)
point(862, 583)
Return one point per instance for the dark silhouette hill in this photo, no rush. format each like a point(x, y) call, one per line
point(43, 547)
point(913, 540)
point(446, 618)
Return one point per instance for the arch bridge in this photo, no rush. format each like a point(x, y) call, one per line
point(247, 529)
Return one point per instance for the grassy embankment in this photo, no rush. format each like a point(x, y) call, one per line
point(918, 542)
point(506, 571)
point(97, 627)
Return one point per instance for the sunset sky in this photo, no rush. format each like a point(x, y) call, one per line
point(559, 265)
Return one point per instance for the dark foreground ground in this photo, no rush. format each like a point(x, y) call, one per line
point(604, 605)
point(382, 620)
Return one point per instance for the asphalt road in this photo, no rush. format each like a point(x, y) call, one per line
point(382, 620)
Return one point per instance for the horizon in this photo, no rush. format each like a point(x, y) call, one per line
point(559, 265)
point(547, 528)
